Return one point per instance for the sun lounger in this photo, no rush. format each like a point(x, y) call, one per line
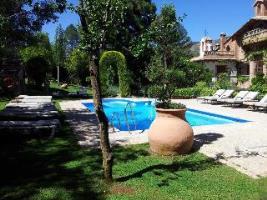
point(251, 96)
point(226, 94)
point(216, 95)
point(33, 97)
point(240, 96)
point(31, 101)
point(28, 115)
point(30, 126)
point(261, 104)
point(28, 105)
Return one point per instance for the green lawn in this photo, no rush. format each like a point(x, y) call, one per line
point(70, 89)
point(60, 169)
point(3, 102)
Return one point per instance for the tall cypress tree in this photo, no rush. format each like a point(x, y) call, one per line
point(60, 47)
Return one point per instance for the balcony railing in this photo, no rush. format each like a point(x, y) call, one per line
point(219, 54)
point(255, 36)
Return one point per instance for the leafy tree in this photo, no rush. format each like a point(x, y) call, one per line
point(39, 47)
point(38, 58)
point(100, 19)
point(20, 19)
point(72, 37)
point(77, 66)
point(139, 15)
point(37, 69)
point(197, 72)
point(167, 36)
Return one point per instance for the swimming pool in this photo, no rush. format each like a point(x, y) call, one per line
point(131, 115)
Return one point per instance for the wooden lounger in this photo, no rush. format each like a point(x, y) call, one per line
point(28, 115)
point(30, 127)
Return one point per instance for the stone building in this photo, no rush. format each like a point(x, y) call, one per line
point(243, 53)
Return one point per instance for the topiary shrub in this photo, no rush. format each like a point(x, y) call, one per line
point(113, 71)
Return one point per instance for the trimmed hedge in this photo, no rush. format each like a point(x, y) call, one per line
point(201, 89)
point(113, 63)
point(188, 93)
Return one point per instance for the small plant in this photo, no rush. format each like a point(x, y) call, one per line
point(169, 105)
point(223, 81)
point(242, 79)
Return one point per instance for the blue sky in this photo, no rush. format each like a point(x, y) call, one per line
point(211, 16)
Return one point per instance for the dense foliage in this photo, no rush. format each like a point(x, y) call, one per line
point(259, 84)
point(20, 19)
point(39, 47)
point(200, 89)
point(223, 81)
point(113, 71)
point(37, 69)
point(77, 67)
point(67, 41)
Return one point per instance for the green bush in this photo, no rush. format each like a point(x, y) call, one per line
point(259, 83)
point(223, 82)
point(113, 71)
point(201, 89)
point(186, 93)
point(242, 79)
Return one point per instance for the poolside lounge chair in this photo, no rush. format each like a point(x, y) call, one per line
point(240, 96)
point(251, 96)
point(30, 126)
point(33, 97)
point(226, 94)
point(261, 104)
point(35, 114)
point(216, 95)
point(30, 100)
point(30, 114)
point(28, 105)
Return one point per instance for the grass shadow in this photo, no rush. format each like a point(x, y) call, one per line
point(48, 169)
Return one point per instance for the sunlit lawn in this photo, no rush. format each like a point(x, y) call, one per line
point(70, 89)
point(3, 102)
point(60, 169)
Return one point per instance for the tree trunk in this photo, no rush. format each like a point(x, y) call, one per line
point(103, 121)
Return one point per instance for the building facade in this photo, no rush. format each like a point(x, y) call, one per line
point(242, 54)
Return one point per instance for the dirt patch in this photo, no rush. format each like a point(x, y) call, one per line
point(122, 189)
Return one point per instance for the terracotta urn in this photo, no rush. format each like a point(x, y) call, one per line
point(170, 134)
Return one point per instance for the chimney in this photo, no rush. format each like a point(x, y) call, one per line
point(260, 8)
point(222, 41)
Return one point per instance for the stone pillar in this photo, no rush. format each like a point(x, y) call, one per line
point(252, 69)
point(265, 69)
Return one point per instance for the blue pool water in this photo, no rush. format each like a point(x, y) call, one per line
point(140, 115)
